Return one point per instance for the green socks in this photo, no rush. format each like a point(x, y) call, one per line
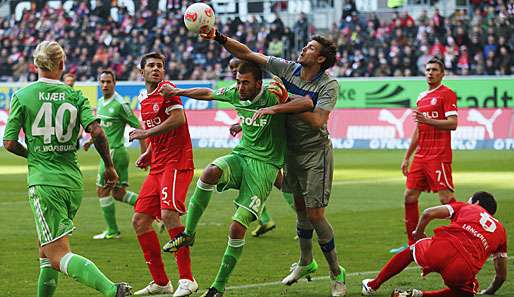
point(86, 272)
point(130, 198)
point(197, 205)
point(265, 216)
point(229, 261)
point(109, 211)
point(48, 278)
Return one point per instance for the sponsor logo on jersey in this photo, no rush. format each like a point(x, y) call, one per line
point(257, 123)
point(153, 122)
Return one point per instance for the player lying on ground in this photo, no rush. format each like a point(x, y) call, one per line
point(252, 166)
point(50, 114)
point(456, 251)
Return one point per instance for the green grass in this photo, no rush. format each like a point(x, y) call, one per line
point(366, 211)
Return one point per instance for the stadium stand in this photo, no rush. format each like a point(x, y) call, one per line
point(474, 41)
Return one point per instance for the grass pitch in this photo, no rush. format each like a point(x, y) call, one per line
point(366, 211)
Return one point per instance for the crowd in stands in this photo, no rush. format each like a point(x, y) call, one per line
point(478, 41)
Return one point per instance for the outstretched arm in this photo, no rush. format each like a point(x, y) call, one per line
point(236, 48)
point(500, 266)
point(295, 105)
point(195, 93)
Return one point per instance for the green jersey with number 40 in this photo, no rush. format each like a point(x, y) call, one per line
point(50, 114)
point(264, 139)
point(115, 113)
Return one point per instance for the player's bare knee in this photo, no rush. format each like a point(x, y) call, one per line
point(299, 204)
point(211, 175)
point(102, 192)
point(237, 230)
point(411, 196)
point(141, 223)
point(315, 215)
point(118, 193)
point(170, 218)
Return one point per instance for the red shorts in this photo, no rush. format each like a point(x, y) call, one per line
point(439, 255)
point(164, 190)
point(430, 176)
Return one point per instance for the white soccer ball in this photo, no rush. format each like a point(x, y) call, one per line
point(199, 18)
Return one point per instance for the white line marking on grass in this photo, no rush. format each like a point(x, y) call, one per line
point(318, 278)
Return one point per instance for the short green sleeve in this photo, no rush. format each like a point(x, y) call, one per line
point(229, 95)
point(15, 121)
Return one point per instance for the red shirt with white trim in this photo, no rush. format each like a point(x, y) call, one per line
point(434, 143)
point(475, 233)
point(174, 147)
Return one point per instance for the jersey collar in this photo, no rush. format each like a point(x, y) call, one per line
point(50, 81)
point(298, 71)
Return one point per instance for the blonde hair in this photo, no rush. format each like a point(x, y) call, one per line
point(48, 55)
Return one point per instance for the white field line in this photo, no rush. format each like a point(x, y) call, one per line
point(318, 278)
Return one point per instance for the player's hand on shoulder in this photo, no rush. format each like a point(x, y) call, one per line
point(209, 35)
point(235, 129)
point(138, 134)
point(111, 177)
point(168, 90)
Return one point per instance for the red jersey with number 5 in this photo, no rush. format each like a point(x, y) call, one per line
point(475, 233)
point(434, 143)
point(172, 148)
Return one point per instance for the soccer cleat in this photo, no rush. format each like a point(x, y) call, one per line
point(107, 235)
point(399, 249)
point(212, 292)
point(298, 271)
point(179, 241)
point(338, 283)
point(154, 289)
point(263, 229)
point(367, 290)
point(406, 293)
point(123, 289)
point(186, 287)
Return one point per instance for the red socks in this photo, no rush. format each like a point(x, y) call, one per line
point(182, 256)
point(397, 263)
point(151, 247)
point(411, 219)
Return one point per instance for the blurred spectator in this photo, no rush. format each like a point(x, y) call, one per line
point(478, 43)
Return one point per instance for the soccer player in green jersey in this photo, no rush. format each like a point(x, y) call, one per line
point(114, 113)
point(265, 221)
point(251, 167)
point(309, 160)
point(50, 114)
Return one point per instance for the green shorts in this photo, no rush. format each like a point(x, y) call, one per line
point(254, 180)
point(309, 175)
point(120, 158)
point(53, 209)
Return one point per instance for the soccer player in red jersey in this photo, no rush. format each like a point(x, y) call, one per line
point(163, 193)
point(431, 169)
point(456, 251)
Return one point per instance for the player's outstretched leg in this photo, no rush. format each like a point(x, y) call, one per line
point(48, 279)
point(411, 216)
point(397, 264)
point(199, 202)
